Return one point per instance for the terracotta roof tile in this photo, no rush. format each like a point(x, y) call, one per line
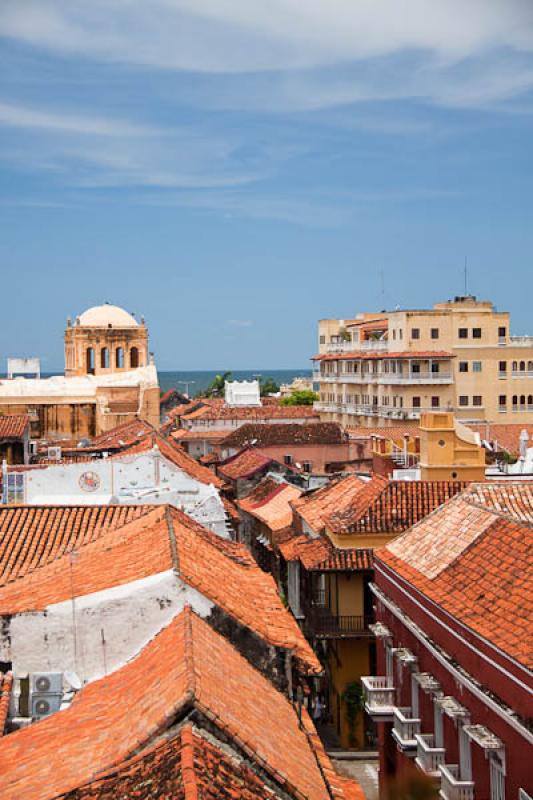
point(6, 685)
point(264, 412)
point(349, 559)
point(475, 562)
point(176, 455)
point(221, 570)
point(394, 432)
point(13, 426)
point(244, 464)
point(317, 506)
point(269, 502)
point(182, 435)
point(297, 433)
point(33, 536)
point(121, 436)
point(127, 711)
point(507, 437)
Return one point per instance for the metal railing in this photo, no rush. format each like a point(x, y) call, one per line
point(323, 623)
point(452, 787)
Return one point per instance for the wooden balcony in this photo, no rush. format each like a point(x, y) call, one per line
point(379, 697)
point(428, 757)
point(404, 728)
point(452, 787)
point(323, 624)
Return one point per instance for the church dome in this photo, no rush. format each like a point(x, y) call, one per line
point(106, 315)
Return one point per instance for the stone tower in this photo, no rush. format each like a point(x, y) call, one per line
point(103, 340)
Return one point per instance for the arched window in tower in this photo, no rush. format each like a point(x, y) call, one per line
point(134, 357)
point(522, 401)
point(104, 358)
point(89, 356)
point(530, 366)
point(119, 358)
point(522, 366)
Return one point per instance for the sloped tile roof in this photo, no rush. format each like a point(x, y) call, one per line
point(265, 435)
point(317, 506)
point(391, 506)
point(160, 540)
point(394, 432)
point(182, 435)
point(6, 686)
point(512, 499)
point(350, 559)
point(475, 562)
point(270, 502)
point(507, 436)
point(187, 766)
point(176, 455)
point(33, 536)
point(264, 412)
point(13, 426)
point(244, 464)
point(121, 436)
point(125, 712)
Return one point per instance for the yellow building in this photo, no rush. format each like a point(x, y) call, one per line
point(457, 357)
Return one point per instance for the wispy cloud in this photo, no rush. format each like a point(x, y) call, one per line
point(15, 116)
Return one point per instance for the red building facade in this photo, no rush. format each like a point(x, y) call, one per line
point(453, 690)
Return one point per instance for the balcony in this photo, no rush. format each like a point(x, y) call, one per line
point(521, 341)
point(428, 757)
point(341, 347)
point(325, 625)
point(379, 697)
point(404, 728)
point(416, 378)
point(374, 344)
point(451, 787)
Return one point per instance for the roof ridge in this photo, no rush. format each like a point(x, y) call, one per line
point(188, 653)
point(190, 783)
point(172, 539)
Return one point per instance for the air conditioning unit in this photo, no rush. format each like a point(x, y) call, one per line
point(46, 683)
point(46, 693)
point(44, 704)
point(54, 453)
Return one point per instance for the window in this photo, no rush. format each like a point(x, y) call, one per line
point(522, 366)
point(502, 401)
point(415, 333)
point(90, 361)
point(119, 358)
point(415, 368)
point(14, 491)
point(435, 366)
point(477, 400)
point(307, 466)
point(134, 358)
point(502, 367)
point(322, 340)
point(463, 400)
point(476, 333)
point(502, 333)
point(530, 366)
point(394, 334)
point(522, 401)
point(476, 366)
point(515, 401)
point(401, 333)
point(463, 333)
point(416, 402)
point(287, 459)
point(515, 366)
point(435, 402)
point(463, 366)
point(104, 358)
point(434, 333)
point(529, 401)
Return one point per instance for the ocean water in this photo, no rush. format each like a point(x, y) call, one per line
point(198, 381)
point(193, 382)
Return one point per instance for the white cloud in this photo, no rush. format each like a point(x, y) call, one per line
point(15, 116)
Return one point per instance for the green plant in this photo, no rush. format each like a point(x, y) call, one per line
point(354, 700)
point(345, 335)
point(216, 387)
point(268, 386)
point(303, 397)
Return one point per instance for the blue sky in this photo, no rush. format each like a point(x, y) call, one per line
point(235, 170)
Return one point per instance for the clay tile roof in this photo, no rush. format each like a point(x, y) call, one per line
point(34, 536)
point(291, 433)
point(244, 464)
point(384, 506)
point(349, 559)
point(6, 685)
point(506, 437)
point(264, 412)
point(315, 507)
point(13, 426)
point(394, 432)
point(182, 435)
point(269, 502)
point(475, 562)
point(126, 712)
point(162, 539)
point(368, 355)
point(122, 436)
point(176, 455)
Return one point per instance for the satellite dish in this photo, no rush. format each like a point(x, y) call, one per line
point(72, 679)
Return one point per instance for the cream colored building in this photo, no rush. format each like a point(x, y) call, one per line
point(109, 379)
point(457, 357)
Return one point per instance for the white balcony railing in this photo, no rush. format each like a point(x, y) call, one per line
point(428, 757)
point(380, 411)
point(374, 344)
point(521, 341)
point(341, 347)
point(379, 696)
point(452, 787)
point(404, 728)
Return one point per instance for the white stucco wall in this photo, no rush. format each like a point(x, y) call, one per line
point(127, 617)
